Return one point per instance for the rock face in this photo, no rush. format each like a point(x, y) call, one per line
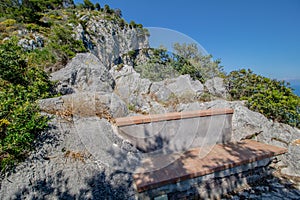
point(216, 87)
point(130, 87)
point(154, 97)
point(31, 44)
point(86, 104)
point(108, 40)
point(182, 87)
point(84, 73)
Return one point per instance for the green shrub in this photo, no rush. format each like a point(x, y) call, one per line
point(275, 99)
point(20, 87)
point(63, 45)
point(186, 59)
point(8, 22)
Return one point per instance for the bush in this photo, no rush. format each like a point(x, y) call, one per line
point(275, 99)
point(20, 87)
point(185, 60)
point(63, 45)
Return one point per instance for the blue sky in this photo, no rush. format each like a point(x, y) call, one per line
point(263, 35)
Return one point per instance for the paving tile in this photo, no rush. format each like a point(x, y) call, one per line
point(221, 156)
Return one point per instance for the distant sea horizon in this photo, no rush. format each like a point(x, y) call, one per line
point(296, 86)
point(296, 89)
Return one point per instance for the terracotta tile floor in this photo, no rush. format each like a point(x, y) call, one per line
point(190, 165)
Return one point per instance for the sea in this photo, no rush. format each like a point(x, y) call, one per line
point(295, 84)
point(296, 89)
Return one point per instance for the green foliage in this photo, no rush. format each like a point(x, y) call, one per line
point(159, 66)
point(62, 45)
point(107, 9)
point(156, 72)
point(118, 13)
point(132, 24)
point(88, 5)
point(13, 67)
point(189, 60)
point(20, 86)
point(185, 60)
point(29, 11)
point(275, 99)
point(97, 6)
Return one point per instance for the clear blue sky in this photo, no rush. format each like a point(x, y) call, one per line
point(263, 35)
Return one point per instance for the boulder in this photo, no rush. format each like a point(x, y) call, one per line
point(131, 88)
point(84, 73)
point(88, 104)
point(183, 88)
point(61, 167)
point(216, 87)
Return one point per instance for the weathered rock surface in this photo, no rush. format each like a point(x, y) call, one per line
point(84, 73)
point(37, 41)
point(182, 87)
point(149, 97)
point(216, 87)
point(87, 104)
point(108, 41)
point(62, 168)
point(130, 87)
point(270, 188)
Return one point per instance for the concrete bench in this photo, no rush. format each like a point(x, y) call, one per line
point(196, 157)
point(177, 131)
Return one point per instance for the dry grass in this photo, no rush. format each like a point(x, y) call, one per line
point(65, 114)
point(104, 113)
point(296, 142)
point(76, 156)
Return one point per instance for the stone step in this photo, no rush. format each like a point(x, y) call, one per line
point(190, 165)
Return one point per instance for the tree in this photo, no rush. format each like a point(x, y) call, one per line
point(97, 6)
point(132, 24)
point(29, 11)
point(118, 12)
point(107, 9)
point(189, 60)
point(88, 4)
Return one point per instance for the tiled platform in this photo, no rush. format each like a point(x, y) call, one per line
point(190, 165)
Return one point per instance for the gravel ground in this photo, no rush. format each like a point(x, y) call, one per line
point(276, 186)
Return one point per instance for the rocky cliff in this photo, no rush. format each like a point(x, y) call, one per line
point(109, 41)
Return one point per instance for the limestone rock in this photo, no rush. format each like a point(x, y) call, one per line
point(84, 73)
point(108, 41)
point(131, 88)
point(293, 158)
point(32, 44)
point(86, 104)
point(183, 88)
point(216, 87)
